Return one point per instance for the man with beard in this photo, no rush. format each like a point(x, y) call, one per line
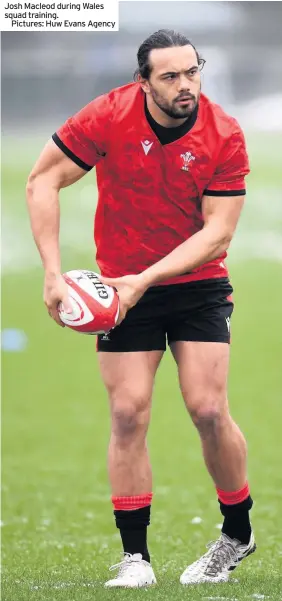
point(170, 171)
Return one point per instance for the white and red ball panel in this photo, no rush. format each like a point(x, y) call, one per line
point(95, 306)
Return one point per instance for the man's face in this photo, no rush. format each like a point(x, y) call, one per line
point(175, 82)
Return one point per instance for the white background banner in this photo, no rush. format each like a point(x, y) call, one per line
point(59, 16)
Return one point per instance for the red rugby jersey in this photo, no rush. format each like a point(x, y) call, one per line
point(150, 194)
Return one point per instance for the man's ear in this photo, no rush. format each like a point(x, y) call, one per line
point(144, 84)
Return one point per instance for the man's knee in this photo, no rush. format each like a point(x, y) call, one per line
point(208, 414)
point(130, 416)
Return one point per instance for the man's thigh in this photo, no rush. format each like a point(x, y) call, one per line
point(199, 336)
point(129, 375)
point(129, 356)
point(129, 380)
point(203, 373)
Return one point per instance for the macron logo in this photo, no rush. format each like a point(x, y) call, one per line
point(147, 146)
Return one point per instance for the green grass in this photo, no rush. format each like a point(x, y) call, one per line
point(58, 531)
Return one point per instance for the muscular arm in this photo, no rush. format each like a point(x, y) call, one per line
point(53, 171)
point(221, 215)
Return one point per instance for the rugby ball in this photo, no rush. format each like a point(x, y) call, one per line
point(95, 307)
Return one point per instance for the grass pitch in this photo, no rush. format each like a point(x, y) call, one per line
point(58, 532)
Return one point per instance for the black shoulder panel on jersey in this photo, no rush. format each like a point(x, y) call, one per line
point(70, 154)
point(224, 192)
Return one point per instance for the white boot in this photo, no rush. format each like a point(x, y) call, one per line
point(223, 556)
point(134, 572)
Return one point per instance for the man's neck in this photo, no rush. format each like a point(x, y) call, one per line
point(160, 117)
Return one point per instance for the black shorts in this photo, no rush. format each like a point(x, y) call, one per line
point(198, 311)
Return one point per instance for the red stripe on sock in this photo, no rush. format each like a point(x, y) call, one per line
point(131, 503)
point(234, 497)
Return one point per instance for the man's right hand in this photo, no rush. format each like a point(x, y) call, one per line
point(56, 291)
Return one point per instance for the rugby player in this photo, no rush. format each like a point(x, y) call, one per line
point(170, 170)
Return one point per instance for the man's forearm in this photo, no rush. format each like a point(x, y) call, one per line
point(44, 212)
point(202, 247)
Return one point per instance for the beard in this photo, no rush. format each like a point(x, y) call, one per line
point(174, 110)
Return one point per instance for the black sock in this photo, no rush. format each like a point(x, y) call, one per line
point(133, 530)
point(237, 520)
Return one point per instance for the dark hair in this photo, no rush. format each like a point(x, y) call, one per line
point(164, 38)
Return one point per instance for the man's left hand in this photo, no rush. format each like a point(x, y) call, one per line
point(130, 288)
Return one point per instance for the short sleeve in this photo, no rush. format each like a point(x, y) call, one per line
point(232, 168)
point(84, 137)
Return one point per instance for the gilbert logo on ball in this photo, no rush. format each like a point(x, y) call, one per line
point(95, 307)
